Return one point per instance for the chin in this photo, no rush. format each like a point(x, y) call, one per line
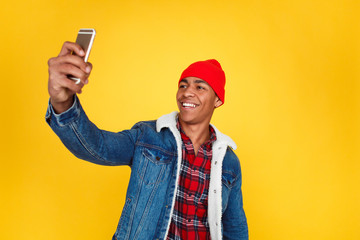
point(188, 118)
point(184, 117)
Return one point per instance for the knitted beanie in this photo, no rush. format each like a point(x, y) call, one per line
point(211, 72)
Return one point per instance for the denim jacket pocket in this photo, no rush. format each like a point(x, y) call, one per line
point(153, 166)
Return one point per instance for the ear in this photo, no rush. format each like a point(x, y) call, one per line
point(218, 102)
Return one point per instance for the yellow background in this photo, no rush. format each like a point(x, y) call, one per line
point(292, 107)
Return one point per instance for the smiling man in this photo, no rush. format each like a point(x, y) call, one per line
point(185, 181)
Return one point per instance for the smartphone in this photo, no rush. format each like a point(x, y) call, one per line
point(85, 39)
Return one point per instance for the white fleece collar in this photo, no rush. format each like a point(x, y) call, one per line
point(169, 121)
point(215, 186)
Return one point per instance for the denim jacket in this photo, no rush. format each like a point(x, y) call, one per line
point(153, 151)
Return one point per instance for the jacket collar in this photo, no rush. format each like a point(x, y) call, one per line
point(169, 121)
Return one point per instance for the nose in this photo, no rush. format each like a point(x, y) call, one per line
point(189, 92)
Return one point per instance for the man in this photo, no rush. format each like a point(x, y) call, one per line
point(185, 181)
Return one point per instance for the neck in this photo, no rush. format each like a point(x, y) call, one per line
point(198, 133)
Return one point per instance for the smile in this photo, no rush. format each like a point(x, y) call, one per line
point(188, 105)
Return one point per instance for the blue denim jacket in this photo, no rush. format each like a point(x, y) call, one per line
point(153, 151)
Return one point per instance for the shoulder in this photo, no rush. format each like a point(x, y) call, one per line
point(150, 136)
point(145, 125)
point(231, 162)
point(165, 121)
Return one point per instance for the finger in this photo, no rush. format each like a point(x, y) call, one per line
point(69, 47)
point(71, 85)
point(88, 68)
point(69, 69)
point(90, 64)
point(74, 60)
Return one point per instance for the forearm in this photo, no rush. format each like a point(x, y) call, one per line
point(88, 142)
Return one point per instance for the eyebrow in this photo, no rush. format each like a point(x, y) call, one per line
point(196, 81)
point(184, 81)
point(201, 81)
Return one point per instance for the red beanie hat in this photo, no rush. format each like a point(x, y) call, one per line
point(211, 72)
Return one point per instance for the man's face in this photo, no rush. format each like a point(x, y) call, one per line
point(196, 101)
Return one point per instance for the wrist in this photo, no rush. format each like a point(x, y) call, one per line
point(60, 107)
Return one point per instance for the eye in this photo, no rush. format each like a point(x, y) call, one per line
point(200, 87)
point(182, 86)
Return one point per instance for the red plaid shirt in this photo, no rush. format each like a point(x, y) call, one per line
point(189, 220)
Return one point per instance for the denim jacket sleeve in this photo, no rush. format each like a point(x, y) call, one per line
point(234, 219)
point(88, 142)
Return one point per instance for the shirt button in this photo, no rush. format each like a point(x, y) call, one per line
point(215, 162)
point(214, 190)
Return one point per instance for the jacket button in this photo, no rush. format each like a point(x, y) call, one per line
point(158, 158)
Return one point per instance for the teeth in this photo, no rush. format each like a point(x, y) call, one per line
point(189, 105)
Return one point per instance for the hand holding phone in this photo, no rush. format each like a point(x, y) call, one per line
point(85, 39)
